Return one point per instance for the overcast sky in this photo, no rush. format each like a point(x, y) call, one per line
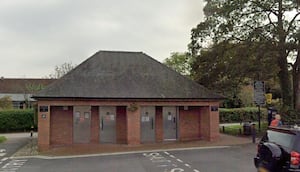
point(37, 35)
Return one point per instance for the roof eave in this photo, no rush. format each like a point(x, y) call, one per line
point(124, 98)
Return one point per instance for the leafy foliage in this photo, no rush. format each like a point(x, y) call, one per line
point(246, 96)
point(227, 66)
point(32, 87)
point(269, 28)
point(241, 115)
point(180, 62)
point(5, 103)
point(2, 139)
point(16, 120)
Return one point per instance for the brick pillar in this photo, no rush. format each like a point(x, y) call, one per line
point(209, 127)
point(133, 126)
point(43, 127)
point(159, 124)
point(95, 125)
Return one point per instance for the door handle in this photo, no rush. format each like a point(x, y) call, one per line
point(152, 123)
point(102, 123)
point(174, 119)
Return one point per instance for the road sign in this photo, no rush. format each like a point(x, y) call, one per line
point(259, 92)
point(269, 98)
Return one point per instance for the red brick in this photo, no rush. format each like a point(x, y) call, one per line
point(209, 124)
point(159, 124)
point(61, 123)
point(195, 123)
point(95, 125)
point(189, 124)
point(133, 127)
point(43, 129)
point(121, 127)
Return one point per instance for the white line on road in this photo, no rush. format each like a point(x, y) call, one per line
point(167, 153)
point(163, 165)
point(196, 170)
point(2, 150)
point(2, 154)
point(13, 165)
point(4, 159)
point(179, 160)
point(188, 165)
point(172, 156)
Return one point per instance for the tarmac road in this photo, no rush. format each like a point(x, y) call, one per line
point(14, 142)
point(214, 159)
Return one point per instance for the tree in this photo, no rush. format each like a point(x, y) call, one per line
point(30, 89)
point(296, 80)
point(5, 103)
point(180, 62)
point(227, 67)
point(61, 70)
point(269, 23)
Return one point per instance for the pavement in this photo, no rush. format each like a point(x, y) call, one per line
point(30, 149)
point(14, 142)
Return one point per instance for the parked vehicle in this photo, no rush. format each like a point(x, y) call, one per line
point(279, 150)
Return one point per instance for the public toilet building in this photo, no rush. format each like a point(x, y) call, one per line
point(125, 98)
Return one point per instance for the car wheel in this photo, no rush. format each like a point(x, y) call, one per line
point(270, 156)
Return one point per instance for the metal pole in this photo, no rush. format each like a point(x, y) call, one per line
point(258, 118)
point(253, 132)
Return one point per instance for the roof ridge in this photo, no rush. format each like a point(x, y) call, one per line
point(25, 78)
point(118, 51)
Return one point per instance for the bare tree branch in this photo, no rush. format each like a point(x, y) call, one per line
point(263, 7)
point(292, 21)
point(271, 20)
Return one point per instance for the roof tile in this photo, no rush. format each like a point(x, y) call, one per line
point(115, 74)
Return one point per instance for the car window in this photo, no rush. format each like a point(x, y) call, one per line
point(297, 144)
point(282, 139)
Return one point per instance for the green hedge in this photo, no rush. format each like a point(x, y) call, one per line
point(16, 120)
point(2, 139)
point(241, 114)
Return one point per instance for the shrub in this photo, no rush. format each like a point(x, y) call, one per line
point(2, 139)
point(16, 120)
point(241, 114)
point(5, 103)
point(291, 117)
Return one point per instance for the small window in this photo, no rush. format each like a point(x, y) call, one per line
point(86, 115)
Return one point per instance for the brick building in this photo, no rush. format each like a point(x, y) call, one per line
point(127, 98)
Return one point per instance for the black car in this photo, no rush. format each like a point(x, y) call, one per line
point(279, 150)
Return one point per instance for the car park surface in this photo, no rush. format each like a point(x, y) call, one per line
point(212, 159)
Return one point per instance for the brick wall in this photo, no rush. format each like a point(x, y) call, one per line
point(61, 132)
point(121, 127)
point(189, 124)
point(214, 125)
point(43, 129)
point(209, 124)
point(133, 127)
point(204, 125)
point(158, 124)
point(95, 125)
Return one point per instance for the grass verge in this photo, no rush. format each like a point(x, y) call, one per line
point(2, 139)
point(238, 130)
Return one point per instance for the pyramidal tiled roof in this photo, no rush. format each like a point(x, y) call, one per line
point(125, 75)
